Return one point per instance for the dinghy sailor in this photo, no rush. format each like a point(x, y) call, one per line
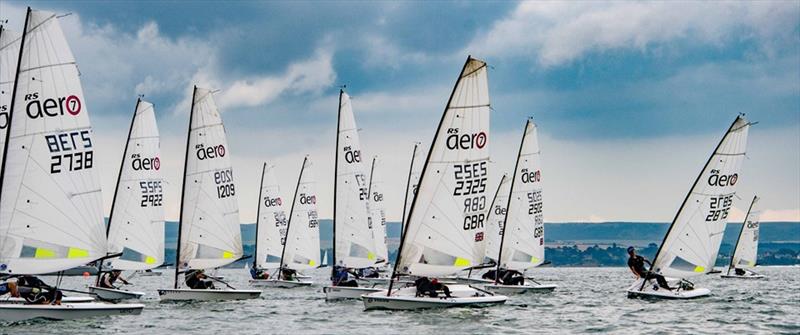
point(636, 264)
point(341, 277)
point(34, 291)
point(108, 279)
point(197, 280)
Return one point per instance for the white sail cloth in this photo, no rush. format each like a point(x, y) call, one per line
point(415, 170)
point(210, 233)
point(378, 210)
point(523, 245)
point(692, 242)
point(51, 206)
point(495, 218)
point(354, 247)
point(9, 54)
point(272, 222)
point(302, 242)
point(136, 223)
point(445, 230)
point(746, 253)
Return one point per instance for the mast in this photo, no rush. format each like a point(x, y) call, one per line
point(335, 182)
point(13, 98)
point(733, 253)
point(508, 204)
point(116, 187)
point(291, 213)
point(408, 186)
point(258, 214)
point(422, 175)
point(688, 194)
point(183, 190)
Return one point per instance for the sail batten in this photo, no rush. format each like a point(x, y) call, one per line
point(692, 242)
point(51, 209)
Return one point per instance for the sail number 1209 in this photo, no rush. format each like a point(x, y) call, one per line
point(224, 181)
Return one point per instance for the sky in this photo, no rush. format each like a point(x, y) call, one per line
point(630, 97)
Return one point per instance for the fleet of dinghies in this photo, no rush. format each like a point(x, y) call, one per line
point(51, 211)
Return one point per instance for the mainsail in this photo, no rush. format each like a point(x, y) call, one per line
point(209, 233)
point(745, 253)
point(9, 53)
point(271, 222)
point(301, 250)
point(522, 245)
point(51, 206)
point(136, 222)
point(445, 227)
point(693, 240)
point(378, 211)
point(495, 218)
point(353, 244)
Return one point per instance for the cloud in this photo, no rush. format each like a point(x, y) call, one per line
point(560, 32)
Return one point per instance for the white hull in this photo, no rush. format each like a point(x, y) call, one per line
point(405, 299)
point(204, 295)
point(470, 280)
point(19, 312)
point(379, 280)
point(519, 289)
point(71, 300)
point(148, 274)
point(342, 292)
point(652, 291)
point(747, 276)
point(112, 294)
point(279, 283)
point(302, 276)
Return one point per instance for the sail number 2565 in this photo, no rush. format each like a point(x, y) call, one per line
point(719, 207)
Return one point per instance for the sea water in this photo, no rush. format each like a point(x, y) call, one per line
point(587, 300)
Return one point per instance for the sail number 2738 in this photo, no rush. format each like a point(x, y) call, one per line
point(70, 151)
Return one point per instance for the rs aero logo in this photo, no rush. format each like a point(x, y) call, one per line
point(722, 180)
point(211, 152)
point(531, 176)
point(306, 199)
point(351, 156)
point(269, 202)
point(52, 107)
point(456, 141)
point(145, 163)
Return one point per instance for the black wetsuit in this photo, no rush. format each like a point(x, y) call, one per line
point(196, 283)
point(637, 264)
point(35, 291)
point(111, 280)
point(426, 287)
point(341, 277)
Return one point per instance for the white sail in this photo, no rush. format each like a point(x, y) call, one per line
point(354, 246)
point(523, 234)
point(210, 233)
point(51, 206)
point(445, 227)
point(272, 222)
point(136, 223)
point(414, 171)
point(378, 210)
point(495, 217)
point(693, 240)
point(745, 253)
point(302, 243)
point(9, 54)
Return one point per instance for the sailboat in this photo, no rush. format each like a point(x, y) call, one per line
point(353, 227)
point(378, 214)
point(692, 242)
point(136, 222)
point(444, 232)
point(522, 233)
point(301, 250)
point(208, 232)
point(271, 224)
point(745, 253)
point(51, 206)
